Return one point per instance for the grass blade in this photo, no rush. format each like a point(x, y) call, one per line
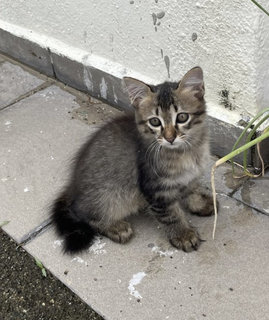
point(245, 130)
point(250, 135)
point(260, 6)
point(40, 265)
point(3, 223)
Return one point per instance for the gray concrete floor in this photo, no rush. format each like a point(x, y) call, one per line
point(42, 124)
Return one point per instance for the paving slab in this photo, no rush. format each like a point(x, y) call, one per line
point(227, 278)
point(38, 138)
point(147, 278)
point(255, 193)
point(14, 82)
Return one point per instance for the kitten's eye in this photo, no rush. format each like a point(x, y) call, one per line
point(182, 117)
point(155, 122)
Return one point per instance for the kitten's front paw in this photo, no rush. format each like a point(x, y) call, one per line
point(187, 241)
point(120, 232)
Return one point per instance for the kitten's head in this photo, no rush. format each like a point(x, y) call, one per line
point(171, 113)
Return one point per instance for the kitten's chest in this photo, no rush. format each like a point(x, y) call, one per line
point(182, 171)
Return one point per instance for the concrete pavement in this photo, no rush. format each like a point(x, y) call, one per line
point(42, 124)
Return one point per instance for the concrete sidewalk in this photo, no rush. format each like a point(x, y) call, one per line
point(42, 124)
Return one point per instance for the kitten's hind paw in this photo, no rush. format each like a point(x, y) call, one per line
point(188, 240)
point(120, 231)
point(201, 205)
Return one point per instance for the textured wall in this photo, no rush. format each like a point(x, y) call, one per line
point(159, 39)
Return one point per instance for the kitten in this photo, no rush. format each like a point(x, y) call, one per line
point(146, 161)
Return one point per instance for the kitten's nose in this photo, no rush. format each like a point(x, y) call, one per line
point(170, 139)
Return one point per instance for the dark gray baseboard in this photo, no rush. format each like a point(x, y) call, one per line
point(88, 79)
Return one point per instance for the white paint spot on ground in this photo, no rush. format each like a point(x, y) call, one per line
point(97, 247)
point(52, 158)
point(226, 207)
point(4, 179)
point(136, 279)
point(26, 189)
point(8, 123)
point(166, 253)
point(8, 150)
point(57, 243)
point(103, 89)
point(79, 260)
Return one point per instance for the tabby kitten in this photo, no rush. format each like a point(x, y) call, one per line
point(146, 161)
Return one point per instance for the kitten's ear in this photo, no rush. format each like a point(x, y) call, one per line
point(137, 90)
point(193, 82)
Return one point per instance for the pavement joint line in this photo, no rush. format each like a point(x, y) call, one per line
point(31, 235)
point(244, 203)
point(46, 224)
point(251, 206)
point(28, 94)
point(25, 67)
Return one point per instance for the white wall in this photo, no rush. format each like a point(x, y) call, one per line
point(120, 37)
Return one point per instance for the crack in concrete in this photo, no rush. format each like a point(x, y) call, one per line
point(52, 64)
point(37, 231)
point(46, 224)
point(28, 94)
point(230, 194)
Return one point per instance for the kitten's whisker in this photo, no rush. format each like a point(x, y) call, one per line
point(149, 149)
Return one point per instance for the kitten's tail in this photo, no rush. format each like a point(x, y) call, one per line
point(78, 234)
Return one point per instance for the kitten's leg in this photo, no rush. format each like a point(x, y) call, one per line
point(180, 234)
point(120, 231)
point(198, 202)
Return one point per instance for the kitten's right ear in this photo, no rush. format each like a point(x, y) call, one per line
point(137, 90)
point(193, 83)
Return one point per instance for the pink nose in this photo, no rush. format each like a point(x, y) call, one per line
point(170, 139)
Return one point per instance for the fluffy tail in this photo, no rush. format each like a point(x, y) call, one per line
point(78, 234)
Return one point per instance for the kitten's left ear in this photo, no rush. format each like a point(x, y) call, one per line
point(137, 90)
point(193, 81)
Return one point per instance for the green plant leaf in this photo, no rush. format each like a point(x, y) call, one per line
point(229, 156)
point(40, 265)
point(44, 273)
point(249, 137)
point(261, 113)
point(4, 223)
point(260, 6)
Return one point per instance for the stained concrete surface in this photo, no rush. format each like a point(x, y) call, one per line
point(146, 278)
point(255, 193)
point(37, 143)
point(226, 279)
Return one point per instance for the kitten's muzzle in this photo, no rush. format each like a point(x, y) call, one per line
point(170, 134)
